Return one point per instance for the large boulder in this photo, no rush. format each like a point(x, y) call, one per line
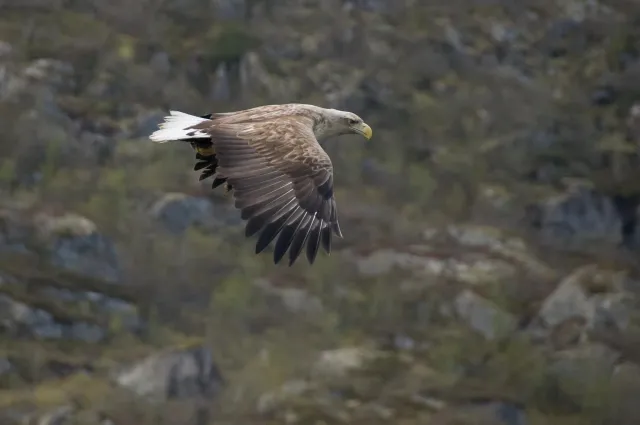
point(581, 220)
point(74, 243)
point(179, 211)
point(181, 374)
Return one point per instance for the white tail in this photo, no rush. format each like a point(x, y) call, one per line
point(174, 125)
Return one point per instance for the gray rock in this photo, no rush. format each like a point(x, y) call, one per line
point(125, 313)
point(5, 366)
point(74, 243)
point(86, 332)
point(16, 317)
point(569, 300)
point(184, 374)
point(503, 34)
point(161, 63)
point(580, 220)
point(483, 315)
point(581, 372)
point(179, 211)
point(472, 261)
point(55, 73)
point(295, 300)
point(229, 9)
point(6, 53)
point(14, 232)
point(469, 268)
point(385, 260)
point(338, 363)
point(271, 400)
point(625, 387)
point(497, 242)
point(6, 50)
point(579, 10)
point(489, 413)
point(612, 310)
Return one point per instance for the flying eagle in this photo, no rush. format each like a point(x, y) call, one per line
point(269, 157)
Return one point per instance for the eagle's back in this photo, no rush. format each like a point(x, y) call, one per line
point(267, 113)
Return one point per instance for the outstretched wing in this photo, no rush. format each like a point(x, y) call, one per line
point(282, 182)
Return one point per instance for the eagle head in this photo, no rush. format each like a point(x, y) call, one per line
point(343, 122)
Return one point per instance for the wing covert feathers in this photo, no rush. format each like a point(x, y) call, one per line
point(282, 184)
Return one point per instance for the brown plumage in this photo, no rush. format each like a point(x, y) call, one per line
point(270, 159)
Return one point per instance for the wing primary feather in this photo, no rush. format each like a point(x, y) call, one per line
point(250, 181)
point(244, 169)
point(286, 236)
point(271, 230)
point(243, 202)
point(334, 211)
point(206, 174)
point(283, 242)
point(260, 216)
point(300, 237)
point(261, 190)
point(326, 238)
point(253, 226)
point(200, 165)
point(261, 183)
point(314, 241)
point(336, 229)
point(217, 182)
point(326, 188)
point(268, 205)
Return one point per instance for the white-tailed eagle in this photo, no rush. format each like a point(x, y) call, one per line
point(270, 159)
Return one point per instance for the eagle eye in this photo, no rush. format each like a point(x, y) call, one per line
point(353, 121)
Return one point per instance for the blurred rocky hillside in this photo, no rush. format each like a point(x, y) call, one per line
point(489, 273)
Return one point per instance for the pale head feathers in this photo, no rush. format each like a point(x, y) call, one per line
point(334, 122)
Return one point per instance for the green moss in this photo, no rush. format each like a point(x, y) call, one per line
point(81, 388)
point(7, 171)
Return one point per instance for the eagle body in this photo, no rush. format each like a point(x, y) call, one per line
point(269, 158)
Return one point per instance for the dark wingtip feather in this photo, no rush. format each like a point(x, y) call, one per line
point(283, 242)
point(326, 238)
point(247, 213)
point(269, 233)
point(206, 174)
point(326, 188)
point(200, 165)
point(217, 182)
point(298, 241)
point(336, 229)
point(313, 244)
point(254, 225)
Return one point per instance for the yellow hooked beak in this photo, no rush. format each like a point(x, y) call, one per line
point(363, 129)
